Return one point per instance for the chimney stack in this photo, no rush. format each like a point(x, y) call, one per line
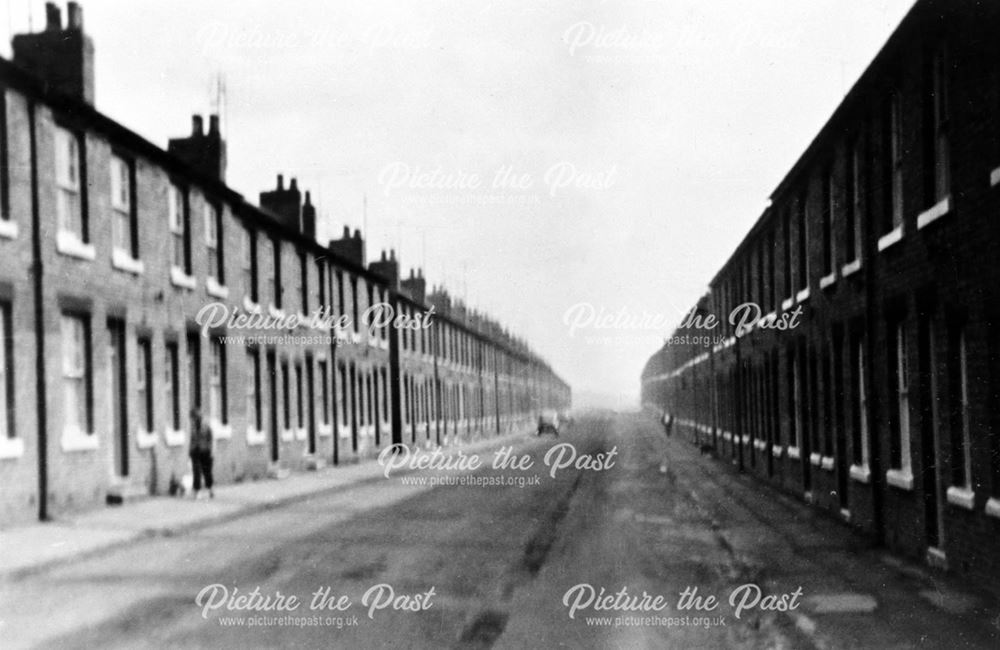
point(74, 19)
point(205, 152)
point(349, 247)
point(387, 268)
point(61, 58)
point(309, 218)
point(285, 204)
point(415, 286)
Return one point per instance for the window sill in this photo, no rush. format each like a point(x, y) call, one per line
point(8, 229)
point(250, 306)
point(760, 445)
point(70, 245)
point(794, 453)
point(861, 473)
point(897, 478)
point(325, 430)
point(787, 303)
point(934, 213)
point(826, 463)
point(745, 440)
point(216, 290)
point(123, 261)
point(815, 459)
point(384, 344)
point(175, 437)
point(993, 507)
point(11, 448)
point(995, 177)
point(181, 279)
point(220, 431)
point(255, 437)
point(301, 433)
point(777, 451)
point(828, 280)
point(802, 296)
point(845, 514)
point(890, 238)
point(850, 268)
point(145, 439)
point(275, 312)
point(728, 437)
point(287, 435)
point(961, 497)
point(355, 337)
point(73, 439)
point(344, 432)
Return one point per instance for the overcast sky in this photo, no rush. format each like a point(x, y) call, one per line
point(531, 156)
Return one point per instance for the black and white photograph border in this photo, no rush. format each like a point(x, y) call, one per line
point(608, 324)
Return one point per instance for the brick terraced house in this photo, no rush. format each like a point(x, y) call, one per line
point(111, 246)
point(881, 405)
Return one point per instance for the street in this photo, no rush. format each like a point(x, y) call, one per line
point(511, 558)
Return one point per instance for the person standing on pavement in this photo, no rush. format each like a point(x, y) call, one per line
point(201, 452)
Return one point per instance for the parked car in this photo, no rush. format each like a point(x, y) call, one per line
point(548, 422)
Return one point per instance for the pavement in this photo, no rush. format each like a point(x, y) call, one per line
point(27, 549)
point(495, 552)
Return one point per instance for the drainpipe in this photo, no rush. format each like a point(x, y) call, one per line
point(36, 272)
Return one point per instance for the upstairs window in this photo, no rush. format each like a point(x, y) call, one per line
point(213, 237)
point(854, 207)
point(803, 244)
point(940, 118)
point(250, 264)
point(893, 132)
point(180, 249)
point(69, 202)
point(276, 275)
point(303, 283)
point(123, 218)
point(829, 207)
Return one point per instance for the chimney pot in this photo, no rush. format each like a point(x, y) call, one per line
point(74, 18)
point(357, 233)
point(294, 185)
point(196, 125)
point(392, 254)
point(347, 232)
point(383, 254)
point(213, 124)
point(308, 200)
point(53, 17)
point(281, 182)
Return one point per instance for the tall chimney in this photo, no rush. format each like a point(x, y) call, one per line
point(74, 19)
point(387, 268)
point(63, 59)
point(205, 152)
point(309, 218)
point(349, 247)
point(285, 204)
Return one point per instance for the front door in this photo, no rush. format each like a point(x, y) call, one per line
point(116, 396)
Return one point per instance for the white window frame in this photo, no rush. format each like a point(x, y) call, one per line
point(121, 204)
point(76, 370)
point(175, 222)
point(896, 158)
point(902, 476)
point(11, 446)
point(862, 472)
point(69, 203)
